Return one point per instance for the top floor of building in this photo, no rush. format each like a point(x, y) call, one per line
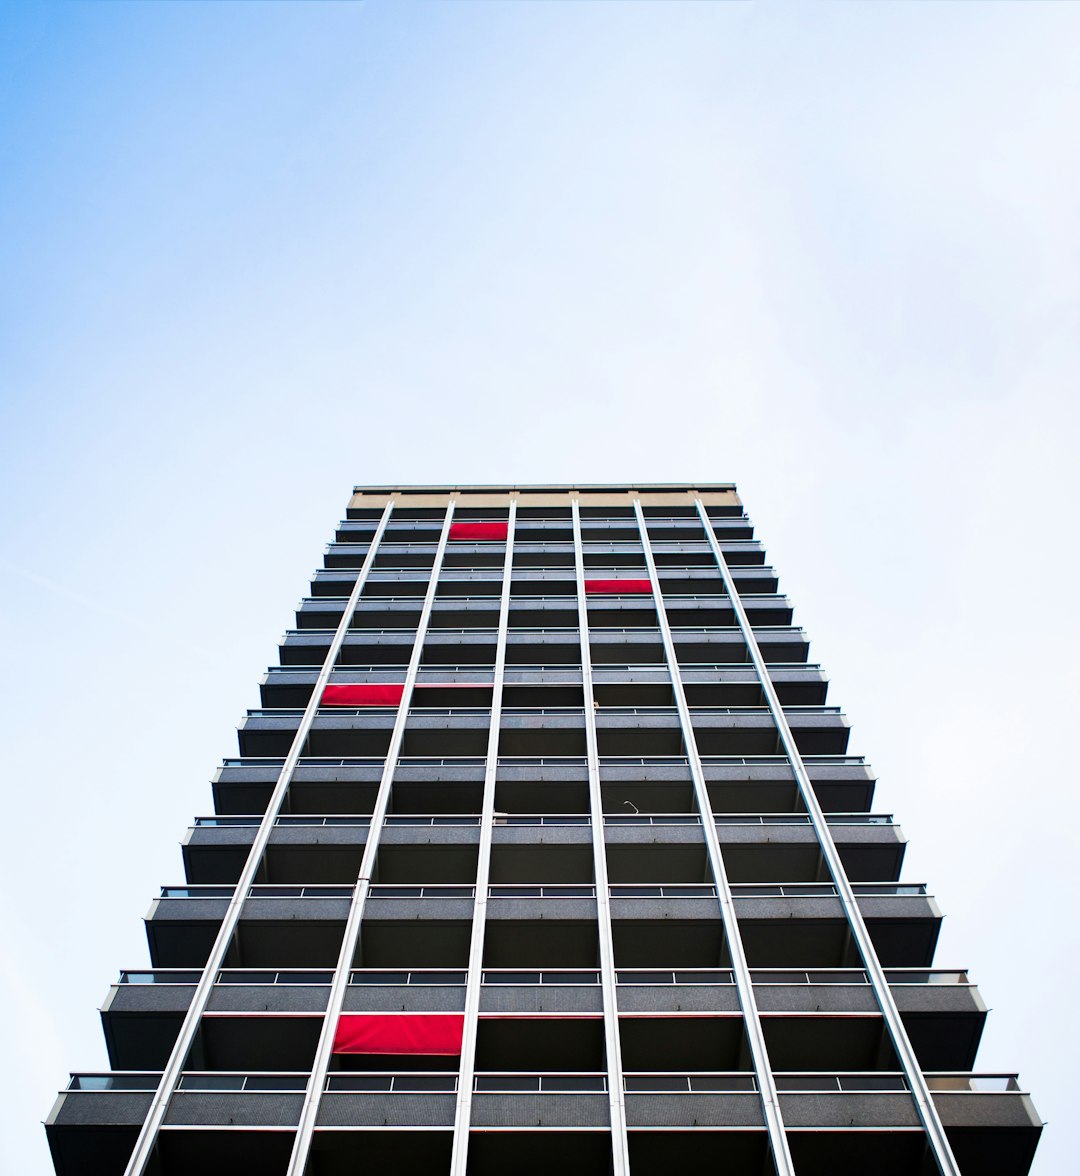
point(670, 497)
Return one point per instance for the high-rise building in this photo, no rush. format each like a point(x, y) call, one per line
point(543, 854)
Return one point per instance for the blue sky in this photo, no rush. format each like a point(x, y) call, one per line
point(252, 254)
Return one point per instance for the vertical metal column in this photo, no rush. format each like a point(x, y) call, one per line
point(770, 1103)
point(308, 1115)
point(147, 1139)
point(463, 1115)
point(620, 1153)
point(909, 1063)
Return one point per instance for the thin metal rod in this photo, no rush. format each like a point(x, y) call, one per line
point(759, 1054)
point(148, 1133)
point(463, 1115)
point(909, 1063)
point(340, 984)
point(620, 1151)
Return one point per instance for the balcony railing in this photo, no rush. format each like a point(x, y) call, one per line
point(290, 712)
point(826, 889)
point(277, 1083)
point(559, 890)
point(502, 977)
point(551, 1082)
point(117, 1080)
point(345, 673)
point(428, 978)
point(436, 890)
point(307, 979)
point(961, 1083)
point(444, 1082)
point(697, 977)
point(257, 891)
point(645, 761)
point(846, 1083)
point(698, 1083)
point(545, 1083)
point(552, 891)
point(518, 977)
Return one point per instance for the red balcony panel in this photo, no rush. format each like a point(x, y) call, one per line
point(363, 694)
point(436, 1034)
point(478, 530)
point(617, 587)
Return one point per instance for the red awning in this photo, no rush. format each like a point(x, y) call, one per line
point(478, 530)
point(616, 587)
point(363, 694)
point(399, 1033)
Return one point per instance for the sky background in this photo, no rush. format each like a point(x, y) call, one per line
point(251, 255)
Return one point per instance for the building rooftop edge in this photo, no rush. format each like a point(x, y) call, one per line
point(546, 488)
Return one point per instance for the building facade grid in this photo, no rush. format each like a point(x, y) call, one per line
point(559, 788)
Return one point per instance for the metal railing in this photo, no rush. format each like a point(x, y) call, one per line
point(737, 1082)
point(560, 1082)
point(696, 977)
point(796, 976)
point(961, 1083)
point(544, 1083)
point(692, 890)
point(262, 890)
point(561, 890)
point(117, 1080)
point(306, 977)
point(427, 978)
point(311, 978)
point(449, 977)
point(207, 1081)
point(556, 760)
point(927, 976)
point(437, 890)
point(545, 891)
point(383, 572)
point(343, 673)
point(414, 1082)
point(827, 889)
point(654, 712)
point(159, 976)
point(439, 820)
point(847, 1083)
point(522, 977)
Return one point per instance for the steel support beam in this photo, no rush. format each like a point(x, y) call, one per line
point(305, 1131)
point(620, 1152)
point(759, 1054)
point(463, 1112)
point(147, 1140)
point(909, 1064)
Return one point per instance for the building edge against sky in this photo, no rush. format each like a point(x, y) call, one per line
point(457, 908)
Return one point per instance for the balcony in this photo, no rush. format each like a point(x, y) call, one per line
point(536, 784)
point(316, 849)
point(93, 1124)
point(793, 925)
point(768, 847)
point(749, 578)
point(515, 1099)
point(706, 683)
point(388, 1100)
point(837, 1122)
point(942, 1011)
point(736, 783)
point(700, 1099)
point(533, 730)
point(280, 926)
